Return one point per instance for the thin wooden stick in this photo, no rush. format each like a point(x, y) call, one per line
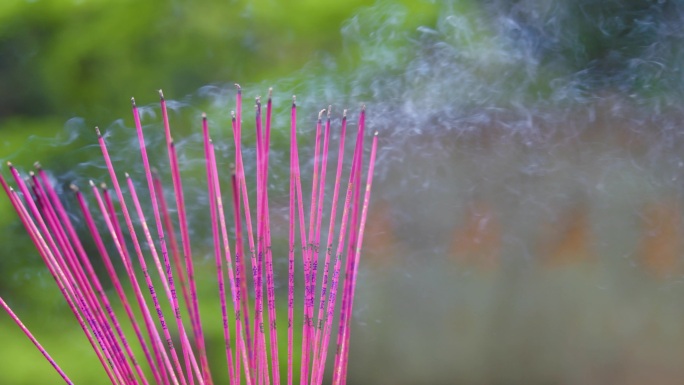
point(35, 342)
point(193, 305)
point(141, 259)
point(90, 222)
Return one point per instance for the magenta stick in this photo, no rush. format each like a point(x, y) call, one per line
point(357, 252)
point(73, 252)
point(328, 248)
point(235, 290)
point(35, 341)
point(309, 291)
point(266, 233)
point(291, 247)
point(240, 278)
point(90, 222)
point(256, 349)
point(175, 249)
point(300, 203)
point(338, 262)
point(141, 258)
point(57, 273)
point(166, 272)
point(258, 285)
point(85, 261)
point(112, 222)
point(344, 322)
point(240, 343)
point(72, 285)
point(213, 207)
point(61, 211)
point(191, 363)
point(193, 305)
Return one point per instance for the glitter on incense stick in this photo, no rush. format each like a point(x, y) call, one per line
point(170, 353)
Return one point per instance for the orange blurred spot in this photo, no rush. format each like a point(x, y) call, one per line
point(477, 242)
point(379, 239)
point(567, 240)
point(660, 245)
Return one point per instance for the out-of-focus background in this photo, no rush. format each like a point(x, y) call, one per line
point(526, 224)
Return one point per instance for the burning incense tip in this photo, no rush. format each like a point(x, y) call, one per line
point(32, 174)
point(97, 130)
point(103, 185)
point(73, 187)
point(320, 114)
point(232, 169)
point(127, 176)
point(92, 184)
point(270, 92)
point(37, 165)
point(9, 164)
point(239, 89)
point(133, 102)
point(344, 114)
point(232, 114)
point(258, 100)
point(204, 115)
point(161, 94)
point(329, 110)
point(376, 133)
point(363, 107)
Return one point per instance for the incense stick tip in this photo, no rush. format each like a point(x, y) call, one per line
point(9, 164)
point(97, 130)
point(73, 187)
point(133, 102)
point(329, 110)
point(92, 184)
point(376, 133)
point(363, 108)
point(161, 94)
point(270, 92)
point(103, 186)
point(320, 114)
point(204, 116)
point(127, 175)
point(232, 114)
point(37, 165)
point(239, 89)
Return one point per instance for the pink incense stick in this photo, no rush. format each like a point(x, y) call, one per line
point(270, 282)
point(109, 215)
point(258, 282)
point(90, 222)
point(291, 245)
point(191, 362)
point(256, 348)
point(328, 248)
point(76, 258)
point(193, 306)
point(345, 321)
point(66, 258)
point(170, 286)
point(72, 285)
point(344, 349)
point(240, 343)
point(315, 244)
point(58, 275)
point(33, 339)
point(240, 279)
point(309, 289)
point(141, 259)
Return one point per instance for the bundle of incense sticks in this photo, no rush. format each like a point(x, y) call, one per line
point(175, 350)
